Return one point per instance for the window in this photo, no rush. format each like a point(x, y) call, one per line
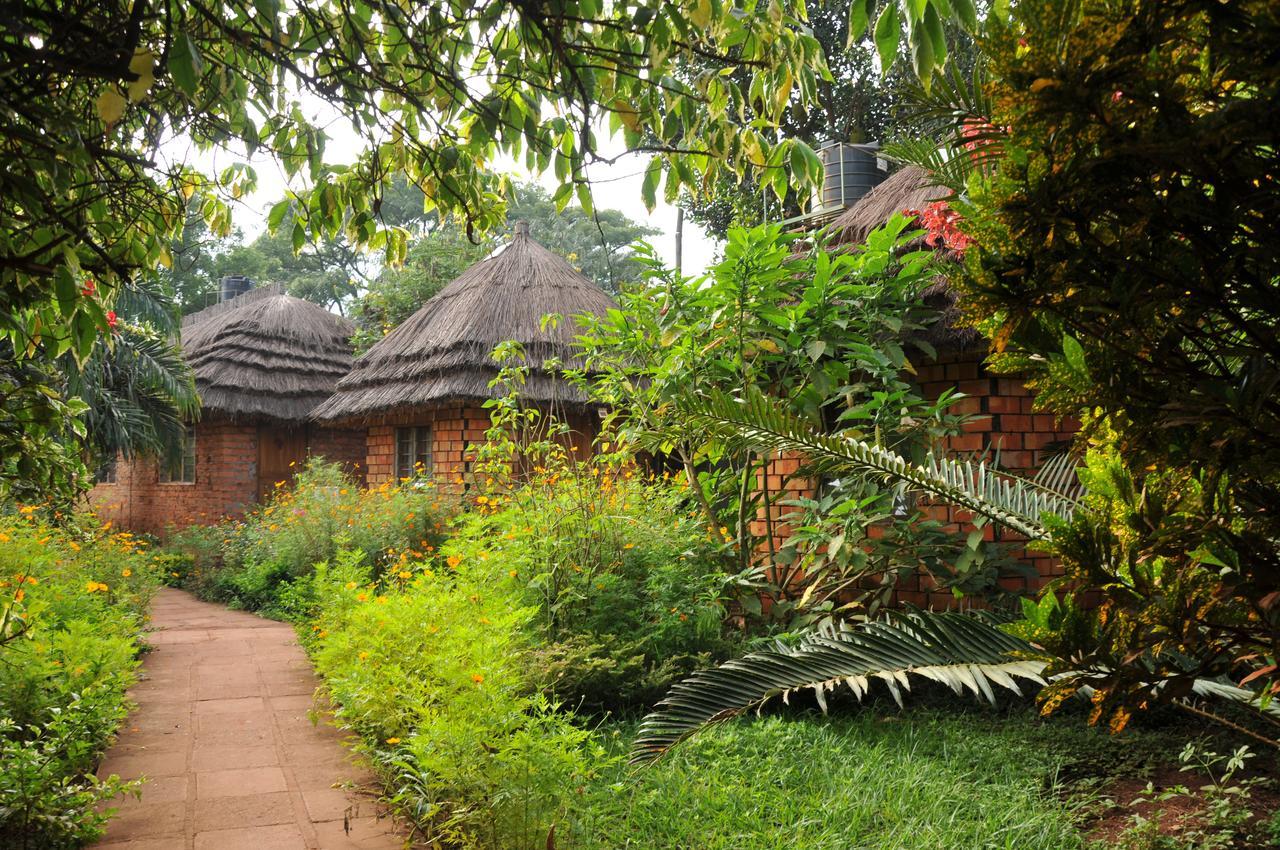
point(181, 467)
point(106, 471)
point(413, 451)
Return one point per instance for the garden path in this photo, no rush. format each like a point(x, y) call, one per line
point(231, 758)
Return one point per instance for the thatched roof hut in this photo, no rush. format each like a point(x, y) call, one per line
point(266, 355)
point(442, 353)
point(909, 188)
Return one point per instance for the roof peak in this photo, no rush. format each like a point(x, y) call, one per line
point(521, 229)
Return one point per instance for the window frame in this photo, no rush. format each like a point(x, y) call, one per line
point(419, 450)
point(108, 472)
point(184, 464)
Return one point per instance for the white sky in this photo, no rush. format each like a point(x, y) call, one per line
point(616, 186)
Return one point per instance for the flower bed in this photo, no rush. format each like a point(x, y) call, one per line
point(73, 603)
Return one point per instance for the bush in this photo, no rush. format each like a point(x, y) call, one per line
point(626, 583)
point(251, 563)
point(72, 609)
point(432, 667)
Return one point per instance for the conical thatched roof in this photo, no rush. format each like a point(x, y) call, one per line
point(909, 188)
point(442, 352)
point(266, 355)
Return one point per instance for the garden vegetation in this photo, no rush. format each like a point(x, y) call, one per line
point(73, 606)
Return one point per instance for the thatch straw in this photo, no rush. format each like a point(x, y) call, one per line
point(265, 355)
point(442, 352)
point(909, 188)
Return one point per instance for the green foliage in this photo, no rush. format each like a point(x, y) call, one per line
point(72, 608)
point(827, 334)
point(248, 563)
point(434, 673)
point(627, 585)
point(1118, 260)
point(967, 653)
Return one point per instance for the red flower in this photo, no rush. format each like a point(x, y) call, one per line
point(111, 319)
point(89, 287)
point(943, 227)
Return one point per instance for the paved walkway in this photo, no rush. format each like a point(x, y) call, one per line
point(231, 758)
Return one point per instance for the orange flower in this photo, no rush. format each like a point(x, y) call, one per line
point(477, 678)
point(453, 561)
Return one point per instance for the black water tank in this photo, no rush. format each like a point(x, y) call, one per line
point(849, 172)
point(233, 285)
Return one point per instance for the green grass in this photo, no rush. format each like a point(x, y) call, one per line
point(917, 780)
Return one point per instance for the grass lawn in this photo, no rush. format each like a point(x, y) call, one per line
point(921, 780)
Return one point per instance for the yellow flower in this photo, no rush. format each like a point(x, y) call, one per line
point(363, 656)
point(382, 600)
point(362, 597)
point(19, 595)
point(28, 509)
point(513, 573)
point(404, 574)
point(351, 585)
point(96, 587)
point(75, 547)
point(393, 741)
point(126, 572)
point(453, 561)
point(629, 546)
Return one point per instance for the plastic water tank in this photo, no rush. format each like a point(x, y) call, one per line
point(849, 172)
point(233, 285)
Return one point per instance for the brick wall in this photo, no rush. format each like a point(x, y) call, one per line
point(226, 478)
point(1002, 417)
point(226, 482)
point(455, 428)
point(341, 445)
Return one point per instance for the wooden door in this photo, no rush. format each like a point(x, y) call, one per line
point(281, 453)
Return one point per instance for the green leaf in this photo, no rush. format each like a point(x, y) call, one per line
point(859, 17)
point(277, 213)
point(1073, 352)
point(966, 13)
point(649, 188)
point(886, 36)
point(185, 63)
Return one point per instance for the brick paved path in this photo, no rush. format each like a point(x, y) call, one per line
point(231, 759)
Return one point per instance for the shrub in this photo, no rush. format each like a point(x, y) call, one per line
point(72, 606)
point(251, 562)
point(625, 580)
point(431, 665)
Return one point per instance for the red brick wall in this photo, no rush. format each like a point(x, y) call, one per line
point(226, 482)
point(341, 445)
point(455, 427)
point(226, 479)
point(1002, 416)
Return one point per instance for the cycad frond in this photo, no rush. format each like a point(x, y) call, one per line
point(966, 652)
point(1013, 502)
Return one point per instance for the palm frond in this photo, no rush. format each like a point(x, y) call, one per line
point(1014, 502)
point(966, 652)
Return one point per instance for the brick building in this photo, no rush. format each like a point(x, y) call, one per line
point(1000, 407)
point(420, 391)
point(262, 361)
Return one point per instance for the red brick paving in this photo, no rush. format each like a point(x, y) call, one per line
point(231, 758)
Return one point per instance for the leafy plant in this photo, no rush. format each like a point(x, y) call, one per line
point(73, 603)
